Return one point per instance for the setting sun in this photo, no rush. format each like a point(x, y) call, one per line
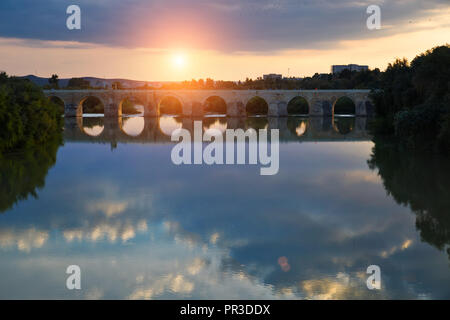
point(179, 60)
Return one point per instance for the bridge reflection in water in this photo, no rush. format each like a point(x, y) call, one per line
point(158, 130)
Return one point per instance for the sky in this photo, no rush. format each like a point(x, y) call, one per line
point(173, 40)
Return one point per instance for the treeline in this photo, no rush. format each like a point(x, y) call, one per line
point(413, 101)
point(27, 116)
point(344, 80)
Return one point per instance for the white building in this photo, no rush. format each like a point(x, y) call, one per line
point(352, 67)
point(272, 76)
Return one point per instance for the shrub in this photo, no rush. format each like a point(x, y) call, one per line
point(443, 140)
point(27, 117)
point(418, 128)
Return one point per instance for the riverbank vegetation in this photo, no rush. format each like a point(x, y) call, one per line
point(412, 103)
point(27, 117)
point(30, 135)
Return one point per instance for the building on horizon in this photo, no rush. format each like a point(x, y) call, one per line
point(352, 67)
point(292, 78)
point(272, 76)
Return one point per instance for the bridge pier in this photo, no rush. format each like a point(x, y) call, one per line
point(197, 109)
point(360, 108)
point(236, 123)
point(150, 110)
point(236, 109)
point(72, 110)
point(317, 107)
point(277, 109)
point(112, 110)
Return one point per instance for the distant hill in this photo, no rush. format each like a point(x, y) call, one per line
point(96, 82)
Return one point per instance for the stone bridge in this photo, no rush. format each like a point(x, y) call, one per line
point(320, 102)
point(290, 128)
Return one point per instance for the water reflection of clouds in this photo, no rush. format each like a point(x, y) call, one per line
point(109, 209)
point(168, 124)
point(133, 126)
point(106, 230)
point(23, 240)
point(93, 131)
point(205, 233)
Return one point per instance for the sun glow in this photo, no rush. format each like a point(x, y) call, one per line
point(179, 60)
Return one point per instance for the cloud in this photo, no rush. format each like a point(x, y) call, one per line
point(231, 25)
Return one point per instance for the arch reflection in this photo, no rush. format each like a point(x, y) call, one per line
point(168, 124)
point(297, 125)
point(344, 125)
point(133, 126)
point(215, 123)
point(92, 126)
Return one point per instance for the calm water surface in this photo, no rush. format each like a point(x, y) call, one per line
point(111, 201)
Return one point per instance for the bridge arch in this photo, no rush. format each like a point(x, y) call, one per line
point(344, 125)
point(132, 126)
point(344, 106)
point(167, 125)
point(127, 106)
point(215, 104)
point(298, 106)
point(91, 126)
point(93, 103)
point(170, 104)
point(256, 105)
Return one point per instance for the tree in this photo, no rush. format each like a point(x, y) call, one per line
point(27, 116)
point(413, 102)
point(54, 81)
point(78, 83)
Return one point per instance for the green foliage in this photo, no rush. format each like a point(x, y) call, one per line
point(418, 128)
point(29, 139)
point(432, 73)
point(78, 83)
point(54, 82)
point(27, 117)
point(414, 101)
point(369, 79)
point(443, 140)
